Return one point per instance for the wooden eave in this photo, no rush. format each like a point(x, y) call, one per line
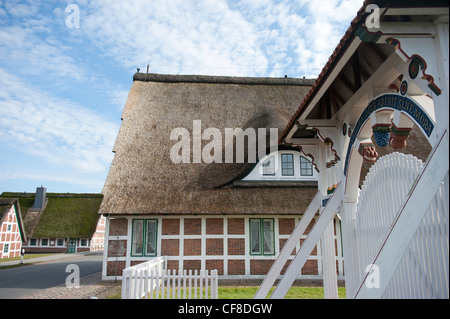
point(359, 57)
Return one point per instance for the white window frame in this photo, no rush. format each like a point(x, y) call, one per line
point(257, 174)
point(63, 242)
point(35, 244)
point(48, 242)
point(80, 242)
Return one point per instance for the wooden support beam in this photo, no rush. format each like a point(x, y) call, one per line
point(306, 248)
point(347, 84)
point(288, 247)
point(356, 71)
point(376, 52)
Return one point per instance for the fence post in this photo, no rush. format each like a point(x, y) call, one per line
point(125, 284)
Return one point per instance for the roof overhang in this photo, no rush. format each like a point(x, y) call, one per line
point(365, 60)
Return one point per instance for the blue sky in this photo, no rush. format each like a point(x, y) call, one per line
point(62, 89)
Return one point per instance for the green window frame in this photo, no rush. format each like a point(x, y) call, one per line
point(262, 236)
point(144, 237)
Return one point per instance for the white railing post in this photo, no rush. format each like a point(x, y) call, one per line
point(288, 247)
point(306, 248)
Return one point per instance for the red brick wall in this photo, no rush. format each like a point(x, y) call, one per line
point(115, 268)
point(193, 226)
point(170, 226)
point(117, 248)
point(170, 247)
point(192, 247)
point(236, 267)
point(215, 264)
point(214, 226)
point(236, 246)
point(286, 225)
point(236, 226)
point(260, 266)
point(214, 246)
point(118, 227)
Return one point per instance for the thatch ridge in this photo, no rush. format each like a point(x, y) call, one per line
point(172, 78)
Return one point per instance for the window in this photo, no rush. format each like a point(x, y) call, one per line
point(60, 242)
point(152, 230)
point(262, 241)
point(9, 227)
point(255, 237)
point(287, 164)
point(268, 166)
point(44, 242)
point(83, 242)
point(306, 168)
point(283, 165)
point(33, 242)
point(144, 237)
point(5, 248)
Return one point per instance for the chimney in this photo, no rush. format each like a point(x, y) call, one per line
point(40, 200)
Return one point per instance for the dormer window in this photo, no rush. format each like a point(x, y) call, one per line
point(283, 165)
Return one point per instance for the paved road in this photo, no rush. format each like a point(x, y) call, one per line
point(20, 281)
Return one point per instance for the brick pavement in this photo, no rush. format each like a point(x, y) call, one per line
point(90, 287)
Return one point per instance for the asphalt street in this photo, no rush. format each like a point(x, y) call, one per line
point(21, 281)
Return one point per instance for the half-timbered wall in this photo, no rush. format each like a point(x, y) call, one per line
point(211, 242)
point(10, 240)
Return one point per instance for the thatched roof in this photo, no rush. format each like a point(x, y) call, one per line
point(143, 179)
point(5, 206)
point(66, 215)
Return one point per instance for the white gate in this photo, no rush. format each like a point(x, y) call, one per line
point(424, 268)
point(150, 280)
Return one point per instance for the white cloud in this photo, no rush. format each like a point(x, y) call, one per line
point(32, 53)
point(59, 131)
point(206, 36)
point(255, 38)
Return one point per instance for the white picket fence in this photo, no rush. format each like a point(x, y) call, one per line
point(424, 269)
point(150, 280)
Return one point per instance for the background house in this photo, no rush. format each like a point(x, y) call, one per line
point(12, 233)
point(60, 223)
point(233, 217)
